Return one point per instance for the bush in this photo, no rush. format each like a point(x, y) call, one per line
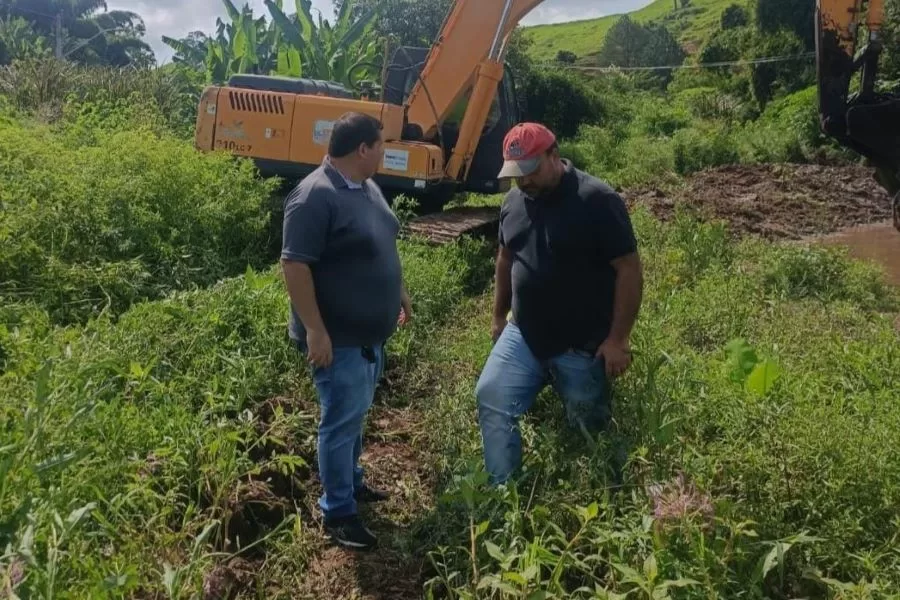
point(560, 100)
point(697, 149)
point(735, 16)
point(100, 221)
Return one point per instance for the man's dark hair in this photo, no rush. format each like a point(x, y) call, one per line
point(351, 130)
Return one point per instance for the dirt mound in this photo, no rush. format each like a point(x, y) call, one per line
point(784, 201)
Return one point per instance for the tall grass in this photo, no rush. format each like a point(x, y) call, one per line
point(97, 215)
point(751, 454)
point(167, 421)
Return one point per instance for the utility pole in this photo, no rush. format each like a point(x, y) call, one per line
point(59, 40)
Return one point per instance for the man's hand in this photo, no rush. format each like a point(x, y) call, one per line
point(617, 356)
point(320, 352)
point(405, 309)
point(497, 327)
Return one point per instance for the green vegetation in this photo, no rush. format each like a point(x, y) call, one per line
point(159, 430)
point(295, 46)
point(691, 24)
point(76, 29)
point(177, 435)
point(107, 212)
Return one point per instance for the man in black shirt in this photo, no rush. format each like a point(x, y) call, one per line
point(568, 269)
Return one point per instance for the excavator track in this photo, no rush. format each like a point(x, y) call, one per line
point(454, 223)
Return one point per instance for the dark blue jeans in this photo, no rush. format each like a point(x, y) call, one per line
point(346, 390)
point(509, 384)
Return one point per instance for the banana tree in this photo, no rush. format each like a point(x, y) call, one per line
point(244, 44)
point(293, 46)
point(344, 52)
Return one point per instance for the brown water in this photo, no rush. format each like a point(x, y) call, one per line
point(878, 242)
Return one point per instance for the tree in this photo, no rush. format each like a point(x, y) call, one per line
point(630, 44)
point(405, 22)
point(624, 44)
point(734, 16)
point(86, 32)
point(293, 45)
point(772, 79)
point(18, 40)
point(566, 57)
point(796, 16)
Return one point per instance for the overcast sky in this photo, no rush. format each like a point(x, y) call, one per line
point(162, 18)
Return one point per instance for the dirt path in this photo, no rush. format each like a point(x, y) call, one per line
point(778, 202)
point(393, 460)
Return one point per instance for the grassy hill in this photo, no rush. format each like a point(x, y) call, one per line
point(692, 25)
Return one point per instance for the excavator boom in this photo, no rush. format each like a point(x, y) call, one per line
point(474, 31)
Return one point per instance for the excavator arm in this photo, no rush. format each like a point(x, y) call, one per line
point(467, 55)
point(867, 121)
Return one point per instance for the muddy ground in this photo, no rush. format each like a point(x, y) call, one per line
point(778, 202)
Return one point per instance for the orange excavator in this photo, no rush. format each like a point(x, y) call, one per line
point(284, 124)
point(868, 120)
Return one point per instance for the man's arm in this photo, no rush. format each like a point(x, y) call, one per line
point(302, 291)
point(405, 305)
point(307, 220)
point(628, 296)
point(620, 247)
point(502, 291)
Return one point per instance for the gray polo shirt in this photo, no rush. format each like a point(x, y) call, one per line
point(347, 234)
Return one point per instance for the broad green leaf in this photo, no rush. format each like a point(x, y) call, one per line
point(481, 528)
point(742, 359)
point(291, 33)
point(515, 578)
point(494, 551)
point(651, 571)
point(343, 19)
point(683, 582)
point(239, 46)
point(304, 16)
point(763, 378)
point(233, 12)
point(357, 30)
point(76, 516)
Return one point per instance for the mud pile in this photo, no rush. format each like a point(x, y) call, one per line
point(783, 201)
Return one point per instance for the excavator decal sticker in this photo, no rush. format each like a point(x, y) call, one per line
point(322, 132)
point(396, 160)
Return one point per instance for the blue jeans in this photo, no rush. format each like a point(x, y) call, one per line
point(346, 389)
point(509, 384)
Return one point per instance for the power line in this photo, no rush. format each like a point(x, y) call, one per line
point(755, 61)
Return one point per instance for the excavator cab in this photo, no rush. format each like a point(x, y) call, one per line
point(404, 71)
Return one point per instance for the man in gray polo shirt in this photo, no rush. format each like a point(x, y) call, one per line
point(345, 283)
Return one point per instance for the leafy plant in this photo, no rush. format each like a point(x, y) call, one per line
point(294, 46)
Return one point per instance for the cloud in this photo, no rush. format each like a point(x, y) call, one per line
point(174, 19)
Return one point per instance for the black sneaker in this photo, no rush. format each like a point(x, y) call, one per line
point(350, 532)
point(368, 494)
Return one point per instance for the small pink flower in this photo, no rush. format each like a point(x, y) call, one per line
point(16, 573)
point(680, 500)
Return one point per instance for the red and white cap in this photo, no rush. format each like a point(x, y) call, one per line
point(522, 149)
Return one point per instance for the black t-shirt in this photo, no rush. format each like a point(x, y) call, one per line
point(563, 284)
